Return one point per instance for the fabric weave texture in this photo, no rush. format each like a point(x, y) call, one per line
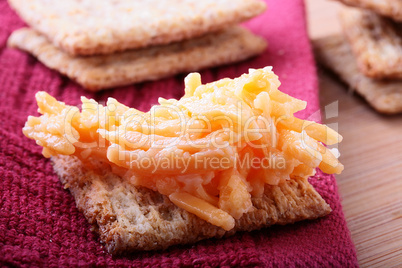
point(39, 222)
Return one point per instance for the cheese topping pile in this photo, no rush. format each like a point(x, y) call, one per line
point(209, 152)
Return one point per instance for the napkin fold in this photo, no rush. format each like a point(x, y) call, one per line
point(39, 222)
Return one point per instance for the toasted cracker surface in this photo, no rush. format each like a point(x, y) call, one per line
point(123, 68)
point(388, 8)
point(376, 42)
point(88, 27)
point(383, 95)
point(130, 218)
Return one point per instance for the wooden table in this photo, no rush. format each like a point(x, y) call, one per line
point(371, 184)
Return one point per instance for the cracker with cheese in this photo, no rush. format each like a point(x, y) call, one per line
point(228, 156)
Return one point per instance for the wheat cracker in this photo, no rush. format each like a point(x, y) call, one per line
point(130, 218)
point(385, 96)
point(133, 66)
point(376, 42)
point(88, 27)
point(388, 8)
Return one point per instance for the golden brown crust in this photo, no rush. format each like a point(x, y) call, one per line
point(383, 95)
point(106, 71)
point(88, 27)
point(130, 218)
point(388, 8)
point(376, 42)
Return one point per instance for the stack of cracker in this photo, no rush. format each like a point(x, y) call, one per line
point(368, 56)
point(104, 44)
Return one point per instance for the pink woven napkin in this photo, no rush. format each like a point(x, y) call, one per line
point(39, 223)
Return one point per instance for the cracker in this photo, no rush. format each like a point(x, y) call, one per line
point(130, 218)
point(123, 68)
point(383, 95)
point(388, 8)
point(88, 27)
point(376, 42)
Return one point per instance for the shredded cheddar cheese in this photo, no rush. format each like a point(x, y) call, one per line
point(209, 152)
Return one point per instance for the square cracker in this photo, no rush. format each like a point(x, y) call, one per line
point(123, 68)
point(376, 42)
point(383, 95)
point(88, 27)
point(388, 8)
point(130, 218)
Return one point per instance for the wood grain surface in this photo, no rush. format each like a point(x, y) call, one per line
point(371, 184)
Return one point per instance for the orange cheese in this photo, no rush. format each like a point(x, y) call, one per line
point(210, 151)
